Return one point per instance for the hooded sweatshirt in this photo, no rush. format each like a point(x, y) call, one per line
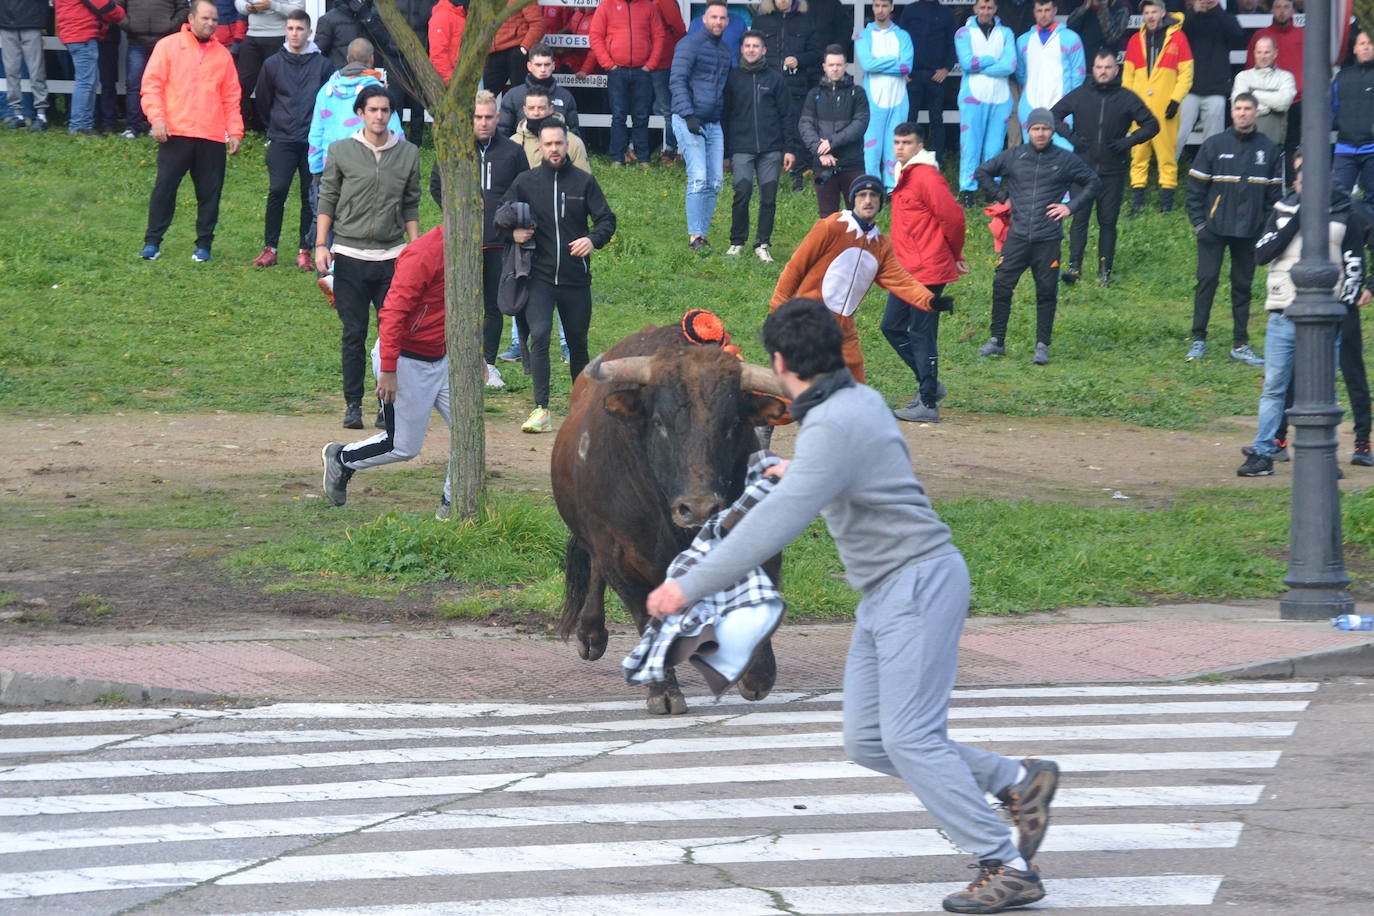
point(334, 116)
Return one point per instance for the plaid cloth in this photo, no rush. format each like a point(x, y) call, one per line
point(754, 601)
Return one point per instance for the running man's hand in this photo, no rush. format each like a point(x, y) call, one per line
point(1057, 212)
point(666, 600)
point(386, 387)
point(580, 248)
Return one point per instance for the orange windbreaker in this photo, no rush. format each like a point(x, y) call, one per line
point(193, 87)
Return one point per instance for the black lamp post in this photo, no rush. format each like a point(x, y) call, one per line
point(1317, 581)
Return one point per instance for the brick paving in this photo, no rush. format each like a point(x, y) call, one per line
point(483, 665)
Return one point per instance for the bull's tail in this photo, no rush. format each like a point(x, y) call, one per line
point(577, 577)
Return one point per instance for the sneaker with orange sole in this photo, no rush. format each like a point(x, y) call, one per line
point(326, 285)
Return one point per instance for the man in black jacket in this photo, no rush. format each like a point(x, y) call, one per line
point(540, 64)
point(1236, 178)
point(833, 121)
point(795, 52)
point(500, 161)
point(1035, 177)
point(350, 19)
point(1212, 33)
point(285, 96)
point(1103, 112)
point(563, 201)
point(1352, 97)
point(757, 104)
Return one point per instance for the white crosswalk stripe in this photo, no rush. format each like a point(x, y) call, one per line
point(543, 807)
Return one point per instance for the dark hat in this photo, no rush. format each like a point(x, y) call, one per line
point(1040, 116)
point(866, 183)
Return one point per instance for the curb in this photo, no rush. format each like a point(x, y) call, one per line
point(19, 688)
point(1342, 661)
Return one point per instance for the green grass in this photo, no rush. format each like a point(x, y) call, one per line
point(87, 327)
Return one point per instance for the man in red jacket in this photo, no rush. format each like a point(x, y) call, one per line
point(928, 240)
point(411, 365)
point(82, 26)
point(660, 68)
point(626, 37)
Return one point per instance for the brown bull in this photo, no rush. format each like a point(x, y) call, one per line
point(657, 439)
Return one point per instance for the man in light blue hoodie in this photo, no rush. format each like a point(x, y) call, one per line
point(884, 51)
point(986, 50)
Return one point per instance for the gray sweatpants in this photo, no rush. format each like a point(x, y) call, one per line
point(421, 389)
point(17, 48)
point(897, 685)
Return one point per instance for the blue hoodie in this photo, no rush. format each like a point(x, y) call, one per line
point(334, 117)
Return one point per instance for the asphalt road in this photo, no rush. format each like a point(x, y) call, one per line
point(1245, 797)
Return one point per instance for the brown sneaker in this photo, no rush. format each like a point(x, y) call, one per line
point(1028, 802)
point(996, 888)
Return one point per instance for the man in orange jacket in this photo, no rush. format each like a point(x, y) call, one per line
point(191, 99)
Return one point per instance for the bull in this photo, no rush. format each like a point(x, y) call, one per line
point(657, 440)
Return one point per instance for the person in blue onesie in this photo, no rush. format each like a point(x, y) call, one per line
point(884, 51)
point(987, 57)
point(1049, 65)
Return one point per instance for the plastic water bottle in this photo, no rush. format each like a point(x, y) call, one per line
point(1353, 622)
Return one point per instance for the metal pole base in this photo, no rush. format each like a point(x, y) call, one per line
point(1315, 604)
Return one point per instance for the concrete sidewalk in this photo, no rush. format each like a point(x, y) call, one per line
point(1165, 643)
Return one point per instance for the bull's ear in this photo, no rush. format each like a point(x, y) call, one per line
point(624, 404)
point(763, 409)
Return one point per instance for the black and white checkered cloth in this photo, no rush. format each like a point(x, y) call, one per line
point(755, 592)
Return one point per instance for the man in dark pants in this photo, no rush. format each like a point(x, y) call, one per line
point(757, 107)
point(1236, 178)
point(286, 101)
point(794, 50)
point(499, 160)
point(1035, 177)
point(928, 228)
point(1352, 103)
point(1103, 112)
point(563, 201)
point(190, 139)
point(931, 26)
point(370, 198)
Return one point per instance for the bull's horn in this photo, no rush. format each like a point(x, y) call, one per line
point(757, 378)
point(626, 369)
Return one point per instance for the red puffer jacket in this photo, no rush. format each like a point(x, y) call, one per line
point(446, 24)
point(83, 20)
point(412, 318)
point(626, 33)
point(927, 223)
point(673, 30)
point(525, 28)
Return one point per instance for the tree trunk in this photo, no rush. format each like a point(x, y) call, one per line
point(455, 151)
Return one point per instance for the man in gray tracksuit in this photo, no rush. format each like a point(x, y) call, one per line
point(915, 598)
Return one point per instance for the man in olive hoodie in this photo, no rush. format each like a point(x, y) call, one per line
point(370, 198)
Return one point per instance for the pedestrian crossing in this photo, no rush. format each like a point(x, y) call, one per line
point(494, 808)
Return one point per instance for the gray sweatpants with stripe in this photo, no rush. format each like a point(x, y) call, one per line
point(421, 388)
point(897, 685)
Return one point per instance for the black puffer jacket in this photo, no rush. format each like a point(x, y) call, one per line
point(1211, 36)
point(499, 164)
point(565, 201)
point(757, 104)
point(347, 21)
point(512, 110)
point(1235, 179)
point(837, 112)
point(286, 90)
point(147, 21)
point(1353, 98)
point(25, 14)
point(1034, 179)
point(1102, 114)
point(791, 34)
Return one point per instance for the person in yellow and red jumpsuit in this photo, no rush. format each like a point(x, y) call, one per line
point(1159, 69)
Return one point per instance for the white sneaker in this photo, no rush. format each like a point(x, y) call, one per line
point(761, 251)
point(129, 135)
point(494, 379)
point(734, 250)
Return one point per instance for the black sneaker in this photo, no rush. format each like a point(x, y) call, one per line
point(1166, 200)
point(1072, 274)
point(1361, 454)
point(1028, 803)
point(336, 476)
point(798, 182)
point(966, 199)
point(1280, 450)
point(353, 416)
point(1256, 466)
point(996, 888)
point(1137, 203)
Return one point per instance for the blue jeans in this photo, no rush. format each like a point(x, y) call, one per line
point(663, 107)
point(704, 156)
point(1348, 169)
point(135, 61)
point(86, 59)
point(1279, 348)
point(631, 91)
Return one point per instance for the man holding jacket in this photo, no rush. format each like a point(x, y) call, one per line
point(1103, 112)
point(571, 219)
point(1035, 177)
point(286, 102)
point(757, 106)
point(1236, 178)
point(626, 35)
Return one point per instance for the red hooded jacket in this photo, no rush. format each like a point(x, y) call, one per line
point(85, 20)
point(626, 33)
point(412, 318)
point(446, 24)
point(927, 224)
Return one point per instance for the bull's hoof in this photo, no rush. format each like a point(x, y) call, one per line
point(591, 644)
point(666, 702)
point(754, 691)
